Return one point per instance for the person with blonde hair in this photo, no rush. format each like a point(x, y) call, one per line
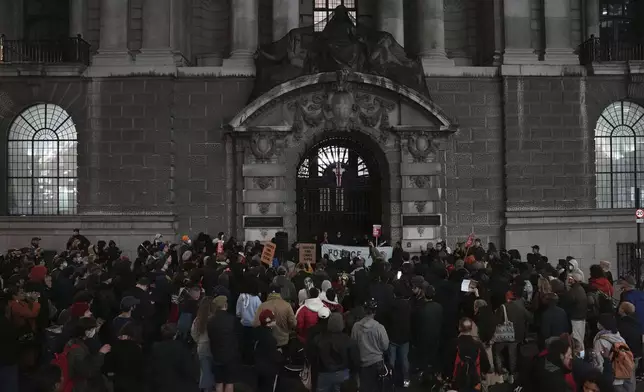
point(199, 333)
point(631, 329)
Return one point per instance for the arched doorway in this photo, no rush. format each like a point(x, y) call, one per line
point(338, 190)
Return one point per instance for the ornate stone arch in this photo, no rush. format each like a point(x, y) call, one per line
point(267, 139)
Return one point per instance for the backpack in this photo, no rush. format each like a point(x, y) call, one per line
point(621, 358)
point(60, 360)
point(467, 374)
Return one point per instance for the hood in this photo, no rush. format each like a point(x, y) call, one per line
point(314, 304)
point(325, 286)
point(601, 284)
point(366, 324)
point(610, 337)
point(273, 297)
point(245, 298)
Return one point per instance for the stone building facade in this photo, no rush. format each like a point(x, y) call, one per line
point(169, 143)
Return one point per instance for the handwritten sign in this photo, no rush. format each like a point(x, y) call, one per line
point(307, 253)
point(268, 253)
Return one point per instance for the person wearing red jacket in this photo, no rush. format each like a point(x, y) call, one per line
point(307, 315)
point(599, 281)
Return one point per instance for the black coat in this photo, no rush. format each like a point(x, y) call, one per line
point(631, 331)
point(268, 360)
point(486, 322)
point(334, 351)
point(398, 321)
point(127, 363)
point(223, 334)
point(8, 342)
point(554, 322)
point(575, 302)
point(172, 368)
point(427, 320)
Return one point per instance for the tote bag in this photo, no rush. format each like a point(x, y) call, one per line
point(504, 333)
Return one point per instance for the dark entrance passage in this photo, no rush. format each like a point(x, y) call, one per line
point(338, 190)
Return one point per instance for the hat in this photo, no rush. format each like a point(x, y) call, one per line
point(143, 281)
point(335, 323)
point(220, 302)
point(187, 255)
point(535, 247)
point(324, 313)
point(36, 239)
point(629, 280)
point(38, 273)
point(459, 264)
point(266, 316)
point(128, 302)
point(78, 309)
point(185, 238)
point(371, 305)
point(417, 282)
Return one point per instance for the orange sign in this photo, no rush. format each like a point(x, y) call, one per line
point(307, 253)
point(268, 253)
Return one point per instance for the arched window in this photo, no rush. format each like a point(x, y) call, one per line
point(42, 166)
point(619, 155)
point(323, 9)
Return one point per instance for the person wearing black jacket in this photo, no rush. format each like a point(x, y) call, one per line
point(268, 359)
point(426, 323)
point(398, 329)
point(554, 320)
point(335, 355)
point(630, 328)
point(485, 321)
point(470, 361)
point(575, 303)
point(171, 365)
point(9, 351)
point(224, 346)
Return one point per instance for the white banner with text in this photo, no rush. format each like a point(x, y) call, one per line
point(336, 252)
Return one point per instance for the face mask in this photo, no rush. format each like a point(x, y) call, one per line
point(63, 266)
point(581, 354)
point(90, 334)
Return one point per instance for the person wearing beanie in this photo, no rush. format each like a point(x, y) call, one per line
point(267, 356)
point(603, 344)
point(285, 321)
point(335, 354)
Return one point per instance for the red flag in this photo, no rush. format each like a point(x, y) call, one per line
point(470, 240)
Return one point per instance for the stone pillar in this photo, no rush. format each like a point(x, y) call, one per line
point(559, 33)
point(156, 48)
point(431, 33)
point(286, 17)
point(456, 19)
point(390, 19)
point(113, 37)
point(518, 31)
point(77, 18)
point(592, 19)
point(245, 35)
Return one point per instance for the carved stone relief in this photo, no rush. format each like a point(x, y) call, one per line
point(421, 231)
point(421, 181)
point(263, 208)
point(263, 146)
point(421, 145)
point(263, 233)
point(264, 183)
point(420, 206)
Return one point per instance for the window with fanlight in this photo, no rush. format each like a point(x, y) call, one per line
point(42, 162)
point(323, 9)
point(619, 155)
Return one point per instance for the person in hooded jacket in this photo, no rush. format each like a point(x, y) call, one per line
point(287, 288)
point(247, 305)
point(125, 360)
point(171, 365)
point(224, 346)
point(469, 359)
point(284, 316)
point(268, 359)
point(335, 356)
point(307, 315)
point(551, 369)
point(398, 326)
point(84, 366)
point(603, 344)
point(554, 320)
point(373, 343)
point(599, 281)
point(426, 323)
point(575, 303)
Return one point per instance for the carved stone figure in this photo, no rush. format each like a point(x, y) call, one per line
point(421, 145)
point(262, 146)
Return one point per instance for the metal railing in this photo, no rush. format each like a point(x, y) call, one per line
point(72, 50)
point(596, 50)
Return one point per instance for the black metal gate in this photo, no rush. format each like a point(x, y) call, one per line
point(337, 191)
point(626, 259)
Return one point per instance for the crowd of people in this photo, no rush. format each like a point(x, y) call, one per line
point(205, 314)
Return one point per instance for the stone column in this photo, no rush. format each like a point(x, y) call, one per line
point(77, 18)
point(592, 19)
point(113, 37)
point(518, 31)
point(558, 33)
point(245, 35)
point(431, 33)
point(390, 19)
point(156, 48)
point(286, 17)
point(457, 29)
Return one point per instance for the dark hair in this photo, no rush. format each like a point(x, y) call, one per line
point(330, 294)
point(168, 331)
point(596, 272)
point(83, 325)
point(314, 292)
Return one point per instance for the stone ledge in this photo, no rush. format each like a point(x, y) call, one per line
point(459, 71)
point(20, 69)
point(543, 70)
point(546, 220)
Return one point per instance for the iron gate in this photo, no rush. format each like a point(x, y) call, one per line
point(627, 259)
point(337, 191)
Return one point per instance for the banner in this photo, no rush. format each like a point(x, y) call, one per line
point(336, 252)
